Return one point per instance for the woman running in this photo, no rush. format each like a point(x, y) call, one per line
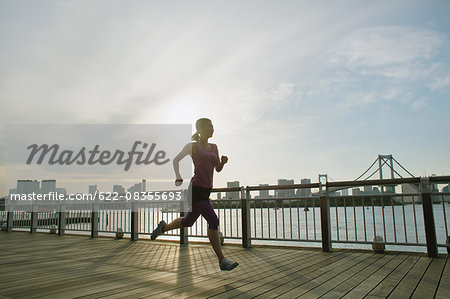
point(205, 157)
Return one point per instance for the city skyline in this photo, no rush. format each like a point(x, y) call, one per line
point(27, 186)
point(294, 89)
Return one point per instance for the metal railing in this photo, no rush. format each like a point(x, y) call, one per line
point(406, 220)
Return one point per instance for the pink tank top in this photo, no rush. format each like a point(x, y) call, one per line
point(204, 162)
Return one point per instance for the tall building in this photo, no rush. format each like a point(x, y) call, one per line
point(48, 186)
point(92, 189)
point(232, 194)
point(27, 186)
point(285, 193)
point(30, 186)
point(136, 188)
point(264, 193)
point(118, 189)
point(143, 186)
point(304, 192)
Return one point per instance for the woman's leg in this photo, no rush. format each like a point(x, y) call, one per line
point(173, 225)
point(214, 239)
point(180, 222)
point(207, 211)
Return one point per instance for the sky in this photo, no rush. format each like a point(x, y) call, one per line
point(294, 88)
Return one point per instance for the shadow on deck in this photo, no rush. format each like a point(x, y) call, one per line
point(44, 265)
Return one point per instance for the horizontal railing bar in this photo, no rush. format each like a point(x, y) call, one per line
point(385, 243)
point(375, 195)
point(440, 179)
point(226, 189)
point(374, 182)
point(289, 240)
point(281, 187)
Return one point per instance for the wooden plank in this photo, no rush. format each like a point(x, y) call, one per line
point(372, 264)
point(312, 281)
point(428, 284)
point(44, 265)
point(269, 273)
point(444, 285)
point(323, 261)
point(255, 271)
point(185, 270)
point(335, 277)
point(250, 266)
point(377, 276)
point(388, 284)
point(409, 282)
point(85, 287)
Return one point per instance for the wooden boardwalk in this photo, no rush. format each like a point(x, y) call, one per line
point(51, 266)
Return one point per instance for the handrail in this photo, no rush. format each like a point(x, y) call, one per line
point(289, 215)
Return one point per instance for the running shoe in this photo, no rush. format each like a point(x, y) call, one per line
point(158, 230)
point(228, 265)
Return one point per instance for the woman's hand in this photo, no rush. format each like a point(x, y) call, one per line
point(224, 159)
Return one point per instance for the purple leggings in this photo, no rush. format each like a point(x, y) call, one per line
point(205, 209)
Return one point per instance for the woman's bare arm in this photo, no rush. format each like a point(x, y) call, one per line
point(187, 149)
point(220, 162)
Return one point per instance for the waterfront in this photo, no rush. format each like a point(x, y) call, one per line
point(351, 227)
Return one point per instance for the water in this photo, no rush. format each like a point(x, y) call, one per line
point(295, 226)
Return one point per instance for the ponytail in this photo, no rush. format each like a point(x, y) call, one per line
point(196, 136)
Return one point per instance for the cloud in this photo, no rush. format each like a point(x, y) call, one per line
point(389, 64)
point(385, 46)
point(440, 83)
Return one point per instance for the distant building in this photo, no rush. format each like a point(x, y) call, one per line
point(233, 194)
point(263, 194)
point(446, 189)
point(335, 193)
point(356, 191)
point(136, 188)
point(33, 186)
point(48, 186)
point(92, 189)
point(118, 189)
point(411, 189)
point(304, 192)
point(286, 193)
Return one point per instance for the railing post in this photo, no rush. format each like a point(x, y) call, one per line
point(134, 226)
point(184, 205)
point(9, 220)
point(427, 205)
point(94, 221)
point(34, 220)
point(61, 220)
point(134, 223)
point(245, 216)
point(325, 215)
